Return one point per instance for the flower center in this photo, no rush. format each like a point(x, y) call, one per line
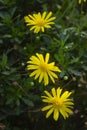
point(43, 66)
point(57, 103)
point(40, 22)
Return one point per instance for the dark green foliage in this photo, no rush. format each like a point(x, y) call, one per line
point(66, 41)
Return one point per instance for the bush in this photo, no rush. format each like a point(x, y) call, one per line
point(66, 41)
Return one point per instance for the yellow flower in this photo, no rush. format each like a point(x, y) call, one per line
point(58, 103)
point(39, 22)
point(42, 69)
point(80, 1)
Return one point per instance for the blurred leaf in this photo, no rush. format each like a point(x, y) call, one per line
point(9, 101)
point(4, 60)
point(1, 1)
point(75, 72)
point(28, 102)
point(7, 36)
point(12, 11)
point(84, 67)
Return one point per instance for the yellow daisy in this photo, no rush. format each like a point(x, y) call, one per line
point(80, 1)
point(39, 22)
point(42, 69)
point(58, 103)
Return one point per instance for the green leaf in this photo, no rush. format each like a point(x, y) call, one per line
point(75, 72)
point(9, 101)
point(4, 61)
point(28, 102)
point(84, 67)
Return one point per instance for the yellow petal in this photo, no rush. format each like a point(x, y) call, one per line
point(31, 17)
point(41, 77)
point(65, 95)
point(48, 16)
point(47, 26)
point(34, 59)
point(49, 112)
point(47, 107)
point(42, 28)
point(51, 64)
point(40, 56)
point(53, 74)
point(34, 73)
point(54, 92)
point(32, 67)
point(44, 15)
point(68, 103)
point(56, 114)
point(67, 110)
point(47, 57)
point(64, 114)
point(51, 77)
point(48, 23)
point(50, 19)
point(38, 74)
point(48, 94)
point(39, 15)
point(46, 79)
point(26, 18)
point(33, 27)
point(45, 97)
point(30, 22)
point(47, 100)
point(35, 16)
point(37, 29)
point(59, 92)
point(55, 68)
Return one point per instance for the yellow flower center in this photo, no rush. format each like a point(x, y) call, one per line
point(40, 23)
point(44, 66)
point(57, 103)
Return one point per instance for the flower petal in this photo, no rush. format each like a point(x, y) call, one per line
point(46, 79)
point(47, 57)
point(40, 56)
point(49, 112)
point(47, 107)
point(31, 17)
point(51, 77)
point(48, 94)
point(44, 15)
point(68, 103)
point(37, 75)
point(50, 19)
point(34, 73)
point(68, 110)
point(33, 27)
point(63, 112)
point(34, 59)
point(41, 77)
point(42, 28)
point(59, 92)
point(32, 67)
point(54, 92)
point(53, 74)
point(47, 100)
point(65, 95)
point(48, 16)
point(56, 114)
